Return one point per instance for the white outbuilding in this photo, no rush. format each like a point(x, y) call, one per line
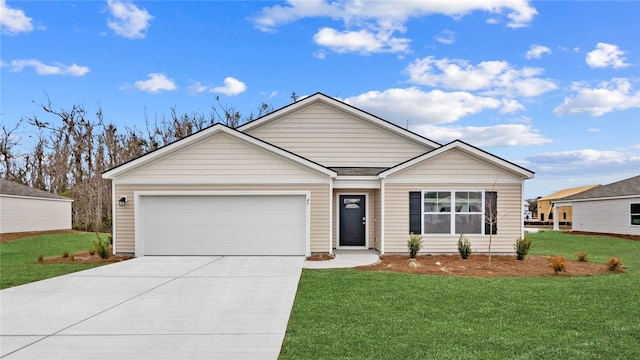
point(25, 209)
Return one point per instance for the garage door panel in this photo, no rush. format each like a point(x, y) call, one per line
point(224, 225)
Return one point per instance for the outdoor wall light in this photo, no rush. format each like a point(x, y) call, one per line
point(122, 201)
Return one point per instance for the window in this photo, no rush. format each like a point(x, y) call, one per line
point(634, 212)
point(456, 212)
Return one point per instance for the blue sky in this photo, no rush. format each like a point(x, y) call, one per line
point(553, 86)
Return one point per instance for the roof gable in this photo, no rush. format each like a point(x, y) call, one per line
point(322, 98)
point(465, 148)
point(335, 134)
point(174, 150)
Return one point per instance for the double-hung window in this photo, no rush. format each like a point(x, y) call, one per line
point(454, 212)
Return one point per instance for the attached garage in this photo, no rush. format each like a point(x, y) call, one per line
point(222, 224)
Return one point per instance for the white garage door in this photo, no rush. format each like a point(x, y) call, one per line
point(223, 225)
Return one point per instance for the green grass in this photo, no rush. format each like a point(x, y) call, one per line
point(349, 314)
point(19, 259)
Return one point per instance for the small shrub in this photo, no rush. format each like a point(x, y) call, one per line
point(40, 258)
point(414, 243)
point(464, 246)
point(72, 257)
point(582, 256)
point(614, 264)
point(102, 247)
point(65, 254)
point(521, 247)
point(92, 252)
point(558, 263)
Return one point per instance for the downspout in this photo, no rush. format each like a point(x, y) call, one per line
point(521, 209)
point(114, 223)
point(382, 215)
point(331, 215)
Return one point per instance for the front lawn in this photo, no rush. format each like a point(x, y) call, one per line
point(19, 258)
point(351, 314)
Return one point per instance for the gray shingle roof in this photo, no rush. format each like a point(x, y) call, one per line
point(12, 188)
point(625, 187)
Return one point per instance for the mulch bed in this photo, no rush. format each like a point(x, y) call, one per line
point(83, 258)
point(320, 257)
point(478, 266)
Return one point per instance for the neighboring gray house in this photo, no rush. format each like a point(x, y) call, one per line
point(314, 176)
point(611, 209)
point(24, 209)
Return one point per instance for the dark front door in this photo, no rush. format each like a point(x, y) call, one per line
point(352, 220)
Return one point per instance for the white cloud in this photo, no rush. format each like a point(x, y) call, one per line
point(485, 136)
point(362, 41)
point(510, 106)
point(157, 82)
point(197, 87)
point(585, 161)
point(594, 130)
point(493, 77)
point(536, 51)
point(606, 55)
point(231, 87)
point(614, 95)
point(13, 21)
point(419, 107)
point(127, 19)
point(372, 24)
point(44, 69)
point(447, 37)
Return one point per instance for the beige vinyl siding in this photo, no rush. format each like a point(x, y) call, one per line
point(222, 158)
point(373, 212)
point(397, 219)
point(22, 214)
point(125, 229)
point(451, 165)
point(334, 138)
point(453, 170)
point(605, 216)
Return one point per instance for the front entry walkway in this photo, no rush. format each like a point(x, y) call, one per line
point(214, 307)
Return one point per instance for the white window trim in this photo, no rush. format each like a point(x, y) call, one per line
point(631, 214)
point(453, 213)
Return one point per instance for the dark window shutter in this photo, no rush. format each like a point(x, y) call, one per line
point(415, 212)
point(490, 212)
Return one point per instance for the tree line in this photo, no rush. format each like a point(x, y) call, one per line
point(69, 153)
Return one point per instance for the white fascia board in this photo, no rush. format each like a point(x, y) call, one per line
point(34, 198)
point(464, 147)
point(346, 108)
point(114, 173)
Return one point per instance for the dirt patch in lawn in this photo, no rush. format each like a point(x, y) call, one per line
point(82, 258)
point(17, 236)
point(478, 266)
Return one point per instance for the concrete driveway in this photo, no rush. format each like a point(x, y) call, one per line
point(229, 307)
